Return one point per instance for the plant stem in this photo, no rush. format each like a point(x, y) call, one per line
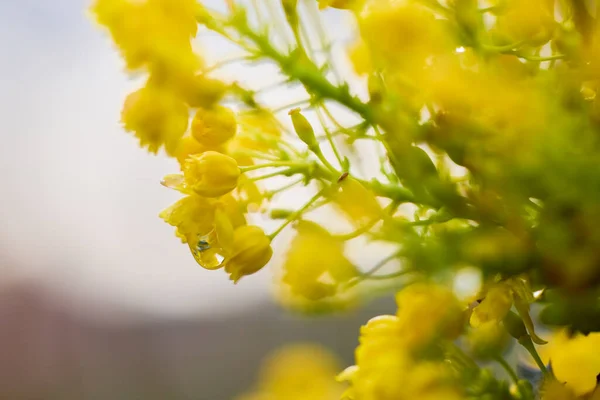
point(299, 212)
point(511, 372)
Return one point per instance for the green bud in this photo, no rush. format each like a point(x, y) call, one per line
point(280, 213)
point(514, 325)
point(303, 128)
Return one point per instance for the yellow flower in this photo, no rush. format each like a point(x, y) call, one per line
point(298, 372)
point(401, 35)
point(188, 146)
point(213, 126)
point(576, 360)
point(316, 274)
point(552, 389)
point(530, 20)
point(202, 91)
point(166, 27)
point(156, 117)
point(193, 216)
point(427, 312)
point(357, 202)
point(250, 252)
point(211, 174)
point(386, 369)
point(494, 307)
point(258, 131)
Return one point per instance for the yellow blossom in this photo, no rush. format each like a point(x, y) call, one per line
point(316, 274)
point(298, 372)
point(494, 307)
point(551, 389)
point(250, 252)
point(193, 217)
point(211, 174)
point(357, 202)
point(402, 35)
point(188, 146)
point(156, 117)
point(166, 27)
point(386, 369)
point(530, 20)
point(427, 312)
point(575, 360)
point(213, 126)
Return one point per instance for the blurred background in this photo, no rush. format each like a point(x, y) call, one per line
point(98, 300)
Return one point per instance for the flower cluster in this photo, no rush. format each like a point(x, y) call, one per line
point(463, 137)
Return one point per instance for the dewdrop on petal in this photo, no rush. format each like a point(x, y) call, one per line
point(211, 174)
point(250, 252)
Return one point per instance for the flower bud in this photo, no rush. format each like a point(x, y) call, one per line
point(251, 251)
point(214, 126)
point(514, 325)
point(211, 174)
point(303, 128)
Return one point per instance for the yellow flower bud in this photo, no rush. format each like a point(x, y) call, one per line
point(214, 126)
point(303, 128)
point(156, 117)
point(211, 174)
point(250, 252)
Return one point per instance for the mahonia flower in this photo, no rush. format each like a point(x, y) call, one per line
point(193, 217)
point(213, 126)
point(188, 146)
point(494, 307)
point(298, 372)
point(156, 117)
point(250, 252)
point(527, 20)
point(357, 202)
point(386, 369)
point(311, 274)
point(258, 131)
point(427, 312)
point(211, 174)
point(166, 26)
point(575, 360)
point(401, 35)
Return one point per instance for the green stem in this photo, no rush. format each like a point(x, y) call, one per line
point(284, 172)
point(273, 164)
point(298, 212)
point(526, 342)
point(511, 372)
point(317, 151)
